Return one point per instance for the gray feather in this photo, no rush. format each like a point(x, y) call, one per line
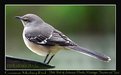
point(91, 53)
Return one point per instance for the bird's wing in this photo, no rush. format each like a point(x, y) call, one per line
point(52, 38)
point(60, 39)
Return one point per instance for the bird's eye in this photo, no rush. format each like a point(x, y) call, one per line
point(26, 19)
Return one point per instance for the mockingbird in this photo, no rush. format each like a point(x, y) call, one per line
point(43, 39)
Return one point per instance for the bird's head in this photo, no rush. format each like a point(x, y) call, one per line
point(29, 19)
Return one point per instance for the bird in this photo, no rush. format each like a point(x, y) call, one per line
point(45, 40)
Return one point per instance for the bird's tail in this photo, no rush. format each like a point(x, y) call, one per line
point(91, 53)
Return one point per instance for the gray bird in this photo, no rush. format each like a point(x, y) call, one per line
point(43, 39)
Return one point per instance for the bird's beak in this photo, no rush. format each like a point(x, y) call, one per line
point(18, 17)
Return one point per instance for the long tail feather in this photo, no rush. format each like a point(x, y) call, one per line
point(91, 53)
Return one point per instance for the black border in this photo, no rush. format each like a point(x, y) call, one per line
point(118, 37)
point(70, 72)
point(59, 1)
point(2, 40)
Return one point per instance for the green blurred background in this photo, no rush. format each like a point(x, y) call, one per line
point(90, 26)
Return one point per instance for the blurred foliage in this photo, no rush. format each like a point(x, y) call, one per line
point(69, 19)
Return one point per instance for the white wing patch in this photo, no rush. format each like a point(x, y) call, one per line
point(45, 41)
